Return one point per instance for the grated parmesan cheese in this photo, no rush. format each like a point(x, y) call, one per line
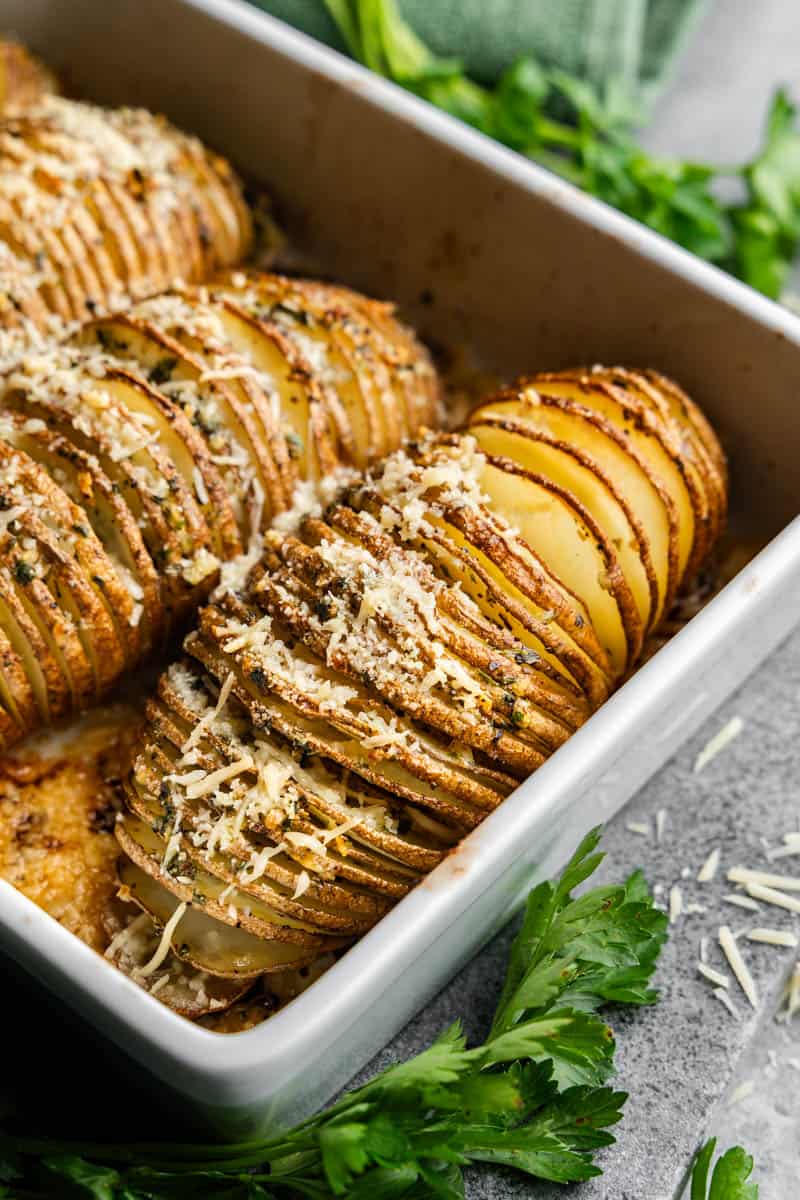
point(163, 948)
point(715, 977)
point(760, 891)
point(303, 884)
point(742, 1091)
point(725, 1000)
point(709, 867)
point(773, 937)
point(738, 965)
point(638, 827)
point(718, 743)
point(741, 901)
point(661, 821)
point(744, 875)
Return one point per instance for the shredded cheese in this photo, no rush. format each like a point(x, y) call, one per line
point(742, 1091)
point(741, 901)
point(303, 884)
point(715, 977)
point(773, 937)
point(163, 948)
point(724, 999)
point(738, 965)
point(744, 875)
point(638, 827)
point(718, 743)
point(709, 867)
point(661, 821)
point(760, 891)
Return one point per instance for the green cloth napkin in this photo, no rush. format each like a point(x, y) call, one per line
point(635, 41)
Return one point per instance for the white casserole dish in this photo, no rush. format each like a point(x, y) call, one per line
point(483, 248)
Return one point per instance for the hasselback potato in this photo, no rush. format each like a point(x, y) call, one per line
point(99, 207)
point(142, 461)
point(23, 79)
point(395, 666)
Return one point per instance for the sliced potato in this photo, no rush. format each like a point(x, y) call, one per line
point(185, 989)
point(575, 548)
point(23, 78)
point(434, 638)
point(104, 207)
point(221, 950)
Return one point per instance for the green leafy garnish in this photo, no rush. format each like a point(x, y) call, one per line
point(532, 1096)
point(729, 1179)
point(587, 137)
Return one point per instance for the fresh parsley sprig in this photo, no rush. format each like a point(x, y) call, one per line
point(729, 1180)
point(532, 1096)
point(587, 137)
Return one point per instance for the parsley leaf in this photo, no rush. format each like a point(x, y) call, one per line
point(587, 137)
point(729, 1180)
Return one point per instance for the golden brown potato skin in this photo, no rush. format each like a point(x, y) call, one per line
point(100, 207)
point(155, 448)
point(23, 78)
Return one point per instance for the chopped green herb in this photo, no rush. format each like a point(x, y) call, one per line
point(23, 571)
point(588, 138)
point(162, 371)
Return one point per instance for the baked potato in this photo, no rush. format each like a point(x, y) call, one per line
point(100, 207)
point(23, 78)
point(142, 462)
point(395, 666)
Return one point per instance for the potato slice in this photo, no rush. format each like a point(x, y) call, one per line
point(187, 451)
point(342, 914)
point(107, 206)
point(206, 944)
point(334, 798)
point(671, 444)
point(24, 698)
point(224, 903)
point(233, 415)
point(644, 428)
point(425, 600)
point(305, 407)
point(262, 650)
point(394, 648)
point(382, 375)
point(75, 402)
point(415, 775)
point(598, 494)
point(124, 574)
point(603, 451)
point(185, 989)
point(28, 247)
point(45, 680)
point(576, 550)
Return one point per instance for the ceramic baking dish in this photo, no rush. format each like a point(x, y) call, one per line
point(481, 248)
